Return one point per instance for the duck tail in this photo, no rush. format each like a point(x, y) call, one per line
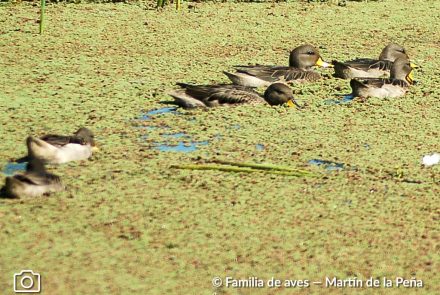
point(355, 83)
point(358, 88)
point(184, 100)
point(236, 79)
point(183, 85)
point(37, 148)
point(340, 69)
point(31, 143)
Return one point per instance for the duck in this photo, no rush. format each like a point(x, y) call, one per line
point(301, 61)
point(401, 77)
point(59, 149)
point(34, 182)
point(371, 68)
point(193, 96)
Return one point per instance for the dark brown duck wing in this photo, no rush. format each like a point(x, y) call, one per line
point(213, 95)
point(36, 174)
point(363, 67)
point(275, 73)
point(293, 74)
point(366, 64)
point(57, 140)
point(37, 179)
point(234, 96)
point(61, 140)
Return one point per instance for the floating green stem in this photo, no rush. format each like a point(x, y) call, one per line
point(229, 168)
point(42, 10)
point(261, 166)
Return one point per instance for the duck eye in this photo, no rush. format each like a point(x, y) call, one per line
point(310, 52)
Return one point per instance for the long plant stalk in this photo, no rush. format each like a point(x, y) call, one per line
point(229, 168)
point(261, 166)
point(42, 10)
point(162, 3)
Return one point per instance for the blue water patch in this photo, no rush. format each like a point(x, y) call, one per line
point(149, 114)
point(236, 126)
point(181, 147)
point(328, 165)
point(345, 100)
point(11, 168)
point(259, 146)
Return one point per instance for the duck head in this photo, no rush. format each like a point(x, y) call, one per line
point(402, 70)
point(280, 93)
point(306, 56)
point(392, 52)
point(87, 136)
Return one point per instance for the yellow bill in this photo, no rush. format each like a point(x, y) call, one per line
point(321, 63)
point(413, 65)
point(410, 77)
point(292, 104)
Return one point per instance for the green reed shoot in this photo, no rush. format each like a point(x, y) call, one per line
point(42, 9)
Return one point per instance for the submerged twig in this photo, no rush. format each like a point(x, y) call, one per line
point(261, 166)
point(236, 168)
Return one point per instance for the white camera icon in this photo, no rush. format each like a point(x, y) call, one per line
point(27, 281)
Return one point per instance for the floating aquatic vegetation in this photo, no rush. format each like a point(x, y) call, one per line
point(149, 128)
point(12, 167)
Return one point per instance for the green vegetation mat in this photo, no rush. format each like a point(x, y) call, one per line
point(128, 223)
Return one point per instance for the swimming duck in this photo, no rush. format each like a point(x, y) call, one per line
point(401, 76)
point(58, 149)
point(370, 68)
point(192, 96)
point(36, 181)
point(301, 60)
